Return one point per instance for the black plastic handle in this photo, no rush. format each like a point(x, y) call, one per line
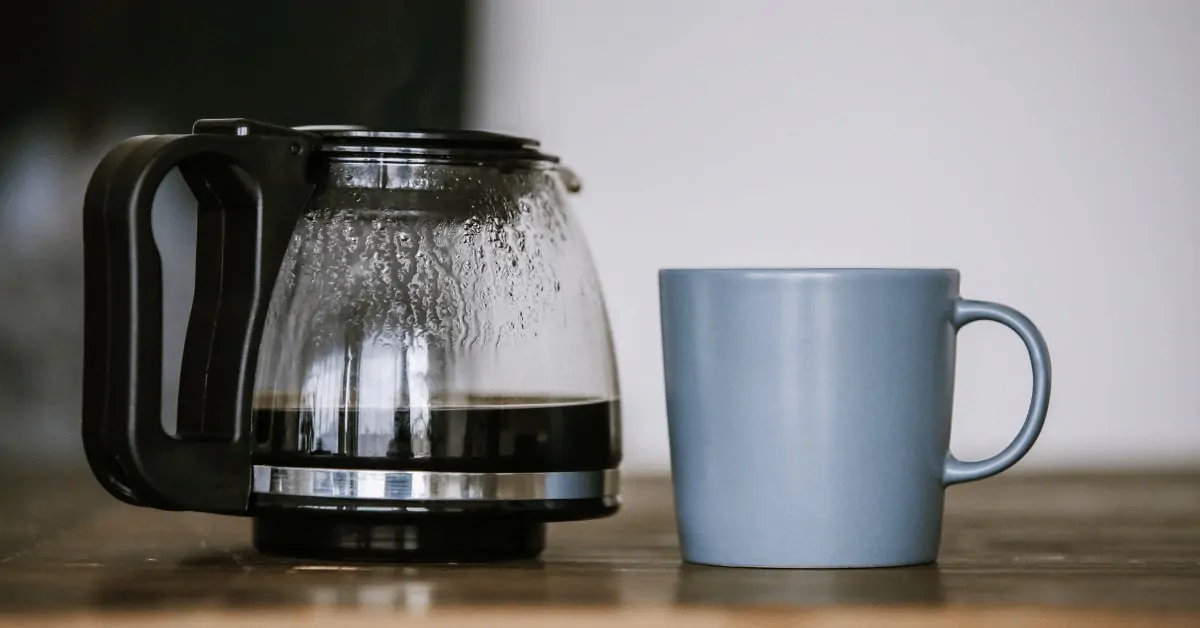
point(252, 182)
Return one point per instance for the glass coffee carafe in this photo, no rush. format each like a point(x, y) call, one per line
point(397, 349)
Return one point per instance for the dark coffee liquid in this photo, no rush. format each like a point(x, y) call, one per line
point(518, 435)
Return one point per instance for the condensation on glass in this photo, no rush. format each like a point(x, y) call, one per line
point(417, 297)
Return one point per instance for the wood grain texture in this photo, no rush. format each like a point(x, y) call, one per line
point(1091, 549)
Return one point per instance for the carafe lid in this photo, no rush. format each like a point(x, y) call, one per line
point(426, 144)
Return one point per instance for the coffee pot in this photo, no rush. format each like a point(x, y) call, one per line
point(397, 349)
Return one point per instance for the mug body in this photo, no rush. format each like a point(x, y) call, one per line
point(809, 413)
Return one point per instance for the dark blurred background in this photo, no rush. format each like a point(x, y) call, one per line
point(81, 76)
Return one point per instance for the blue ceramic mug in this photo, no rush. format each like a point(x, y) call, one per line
point(809, 412)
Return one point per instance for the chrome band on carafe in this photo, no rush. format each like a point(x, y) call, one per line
point(434, 485)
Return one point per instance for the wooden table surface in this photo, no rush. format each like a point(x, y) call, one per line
point(1086, 549)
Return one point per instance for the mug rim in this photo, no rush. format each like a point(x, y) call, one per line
point(810, 271)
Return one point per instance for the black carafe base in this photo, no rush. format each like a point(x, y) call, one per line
point(351, 538)
point(419, 532)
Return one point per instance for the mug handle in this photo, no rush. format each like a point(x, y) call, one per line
point(966, 312)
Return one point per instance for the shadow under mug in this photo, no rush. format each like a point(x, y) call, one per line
point(809, 412)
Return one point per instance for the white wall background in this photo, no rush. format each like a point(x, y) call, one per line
point(1050, 149)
